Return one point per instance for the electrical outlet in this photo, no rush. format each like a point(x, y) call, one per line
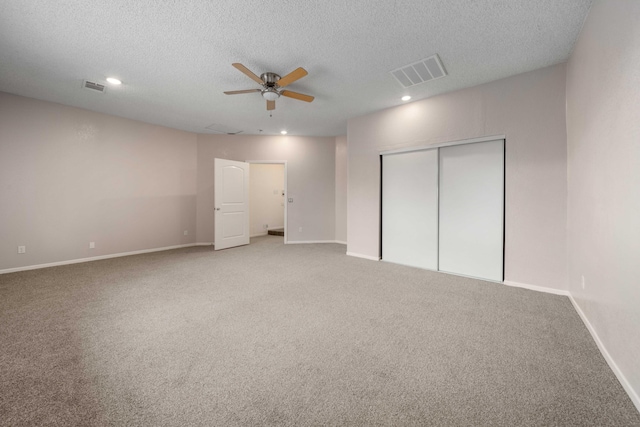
point(22, 249)
point(265, 226)
point(186, 232)
point(290, 199)
point(92, 245)
point(300, 230)
point(583, 284)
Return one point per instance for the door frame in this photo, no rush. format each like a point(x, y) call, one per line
point(286, 192)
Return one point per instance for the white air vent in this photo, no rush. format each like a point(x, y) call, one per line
point(86, 84)
point(218, 128)
point(420, 72)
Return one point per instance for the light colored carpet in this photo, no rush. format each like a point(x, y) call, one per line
point(269, 334)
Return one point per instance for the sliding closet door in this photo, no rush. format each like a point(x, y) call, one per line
point(410, 208)
point(472, 209)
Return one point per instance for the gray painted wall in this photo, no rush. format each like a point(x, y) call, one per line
point(341, 188)
point(69, 176)
point(603, 132)
point(530, 110)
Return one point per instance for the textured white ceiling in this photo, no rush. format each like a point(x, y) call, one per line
point(174, 56)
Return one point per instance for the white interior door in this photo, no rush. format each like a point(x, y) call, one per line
point(410, 208)
point(472, 209)
point(231, 200)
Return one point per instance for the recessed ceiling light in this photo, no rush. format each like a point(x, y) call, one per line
point(113, 81)
point(406, 98)
point(284, 132)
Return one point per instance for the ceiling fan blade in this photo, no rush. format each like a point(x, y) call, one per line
point(296, 95)
point(238, 92)
point(296, 74)
point(271, 105)
point(248, 72)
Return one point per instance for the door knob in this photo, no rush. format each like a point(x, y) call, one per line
point(217, 209)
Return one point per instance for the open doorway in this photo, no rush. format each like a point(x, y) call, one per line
point(268, 200)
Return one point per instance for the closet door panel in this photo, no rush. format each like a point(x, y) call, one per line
point(472, 209)
point(410, 208)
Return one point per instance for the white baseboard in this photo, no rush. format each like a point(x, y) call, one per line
point(633, 395)
point(204, 244)
point(304, 242)
point(353, 254)
point(537, 288)
point(97, 258)
point(259, 234)
point(340, 242)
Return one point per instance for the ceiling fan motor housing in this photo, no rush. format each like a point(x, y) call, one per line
point(270, 79)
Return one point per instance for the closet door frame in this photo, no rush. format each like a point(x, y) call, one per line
point(438, 146)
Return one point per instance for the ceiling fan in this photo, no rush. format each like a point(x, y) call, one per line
point(272, 85)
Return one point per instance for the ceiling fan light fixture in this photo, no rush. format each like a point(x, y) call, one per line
point(406, 98)
point(283, 132)
point(270, 94)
